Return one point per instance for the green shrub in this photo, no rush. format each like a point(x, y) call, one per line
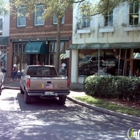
point(113, 87)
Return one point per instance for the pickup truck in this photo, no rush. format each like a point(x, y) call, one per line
point(43, 81)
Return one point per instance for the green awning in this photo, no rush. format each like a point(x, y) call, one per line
point(104, 46)
point(35, 48)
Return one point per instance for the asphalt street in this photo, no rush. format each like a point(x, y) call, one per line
point(46, 120)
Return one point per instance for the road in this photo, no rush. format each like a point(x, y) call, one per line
point(46, 120)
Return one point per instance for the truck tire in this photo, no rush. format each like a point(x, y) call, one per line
point(27, 98)
point(62, 100)
point(21, 91)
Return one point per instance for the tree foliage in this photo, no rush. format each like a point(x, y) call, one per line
point(4, 7)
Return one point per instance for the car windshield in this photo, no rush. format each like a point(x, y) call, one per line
point(42, 71)
point(86, 58)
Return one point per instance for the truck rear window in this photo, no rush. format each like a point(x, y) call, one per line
point(41, 71)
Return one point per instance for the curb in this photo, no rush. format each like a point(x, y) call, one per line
point(10, 87)
point(117, 114)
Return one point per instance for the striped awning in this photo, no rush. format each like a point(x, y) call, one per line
point(63, 56)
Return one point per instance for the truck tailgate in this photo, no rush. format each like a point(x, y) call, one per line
point(51, 83)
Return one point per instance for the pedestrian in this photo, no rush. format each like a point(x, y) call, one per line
point(14, 72)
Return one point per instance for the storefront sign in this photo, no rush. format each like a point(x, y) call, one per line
point(108, 63)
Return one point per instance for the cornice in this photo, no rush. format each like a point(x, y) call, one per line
point(40, 33)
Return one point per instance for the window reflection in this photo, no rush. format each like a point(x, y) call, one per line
point(108, 62)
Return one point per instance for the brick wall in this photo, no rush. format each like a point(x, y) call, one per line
point(48, 30)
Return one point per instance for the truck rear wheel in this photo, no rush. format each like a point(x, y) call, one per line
point(27, 98)
point(21, 91)
point(62, 100)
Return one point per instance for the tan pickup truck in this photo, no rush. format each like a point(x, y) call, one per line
point(43, 81)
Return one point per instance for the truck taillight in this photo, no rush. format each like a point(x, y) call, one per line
point(68, 82)
point(28, 83)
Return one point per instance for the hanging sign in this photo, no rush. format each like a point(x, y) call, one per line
point(108, 63)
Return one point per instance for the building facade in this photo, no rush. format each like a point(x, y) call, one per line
point(106, 44)
point(34, 39)
point(4, 38)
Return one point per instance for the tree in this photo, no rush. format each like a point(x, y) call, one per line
point(4, 7)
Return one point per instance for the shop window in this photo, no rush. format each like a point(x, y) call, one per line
point(134, 13)
point(38, 18)
point(15, 48)
point(108, 19)
point(52, 47)
point(89, 60)
point(21, 17)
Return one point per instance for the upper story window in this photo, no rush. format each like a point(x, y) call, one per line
point(55, 20)
point(21, 17)
point(38, 18)
point(1, 26)
point(134, 13)
point(85, 21)
point(108, 19)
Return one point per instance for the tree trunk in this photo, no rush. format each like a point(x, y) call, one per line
point(58, 45)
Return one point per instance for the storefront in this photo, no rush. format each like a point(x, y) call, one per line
point(114, 61)
point(30, 53)
point(4, 48)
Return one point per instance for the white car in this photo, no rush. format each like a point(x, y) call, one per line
point(2, 71)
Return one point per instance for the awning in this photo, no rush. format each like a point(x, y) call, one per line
point(104, 46)
point(35, 48)
point(63, 56)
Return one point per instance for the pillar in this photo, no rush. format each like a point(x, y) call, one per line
point(74, 66)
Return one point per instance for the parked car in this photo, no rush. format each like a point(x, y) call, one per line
point(2, 73)
point(88, 60)
point(43, 81)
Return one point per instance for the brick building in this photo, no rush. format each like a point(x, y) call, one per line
point(34, 39)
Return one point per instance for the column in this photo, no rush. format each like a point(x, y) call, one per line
point(74, 66)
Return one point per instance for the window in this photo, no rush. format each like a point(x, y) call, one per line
point(1, 26)
point(21, 17)
point(55, 20)
point(108, 19)
point(38, 18)
point(41, 71)
point(85, 21)
point(134, 13)
point(52, 47)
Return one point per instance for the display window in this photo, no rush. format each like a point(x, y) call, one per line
point(107, 61)
point(19, 57)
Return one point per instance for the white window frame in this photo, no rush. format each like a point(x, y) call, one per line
point(55, 21)
point(109, 18)
point(21, 17)
point(134, 14)
point(39, 18)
